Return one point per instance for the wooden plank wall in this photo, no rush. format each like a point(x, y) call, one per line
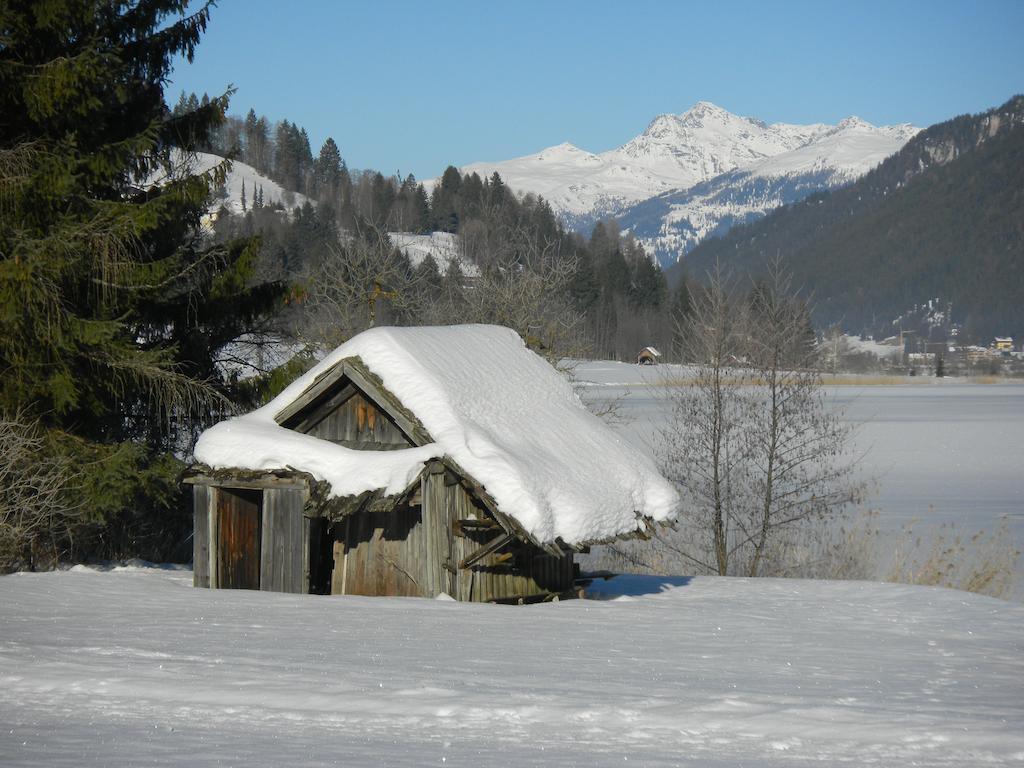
point(381, 553)
point(412, 550)
point(285, 552)
point(201, 495)
point(437, 524)
point(530, 573)
point(358, 420)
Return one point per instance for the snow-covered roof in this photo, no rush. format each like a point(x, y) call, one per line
point(500, 411)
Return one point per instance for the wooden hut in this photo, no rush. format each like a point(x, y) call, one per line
point(648, 356)
point(339, 486)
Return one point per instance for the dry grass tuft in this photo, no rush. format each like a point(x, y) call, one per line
point(981, 563)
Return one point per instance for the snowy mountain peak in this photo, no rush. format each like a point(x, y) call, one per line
point(676, 152)
point(702, 116)
point(561, 151)
point(704, 112)
point(854, 122)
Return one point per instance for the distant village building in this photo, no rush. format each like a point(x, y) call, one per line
point(648, 356)
point(418, 461)
point(1003, 345)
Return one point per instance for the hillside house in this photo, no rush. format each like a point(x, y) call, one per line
point(418, 461)
point(648, 356)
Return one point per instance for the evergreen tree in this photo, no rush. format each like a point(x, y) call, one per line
point(327, 172)
point(444, 199)
point(111, 306)
point(421, 208)
point(585, 288)
point(250, 139)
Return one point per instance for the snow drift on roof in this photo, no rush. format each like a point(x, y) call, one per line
point(499, 410)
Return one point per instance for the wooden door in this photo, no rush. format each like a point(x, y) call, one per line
point(239, 513)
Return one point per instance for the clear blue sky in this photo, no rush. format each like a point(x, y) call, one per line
point(415, 86)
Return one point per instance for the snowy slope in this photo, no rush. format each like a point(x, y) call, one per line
point(675, 151)
point(670, 225)
point(702, 672)
point(746, 167)
point(444, 247)
point(240, 175)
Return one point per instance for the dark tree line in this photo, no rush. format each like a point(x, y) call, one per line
point(619, 292)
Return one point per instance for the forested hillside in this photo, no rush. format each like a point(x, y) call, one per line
point(942, 218)
point(566, 293)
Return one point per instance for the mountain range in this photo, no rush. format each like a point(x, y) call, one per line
point(698, 173)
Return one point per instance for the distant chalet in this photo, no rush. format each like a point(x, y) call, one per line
point(418, 461)
point(648, 356)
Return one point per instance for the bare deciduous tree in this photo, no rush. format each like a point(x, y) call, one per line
point(522, 283)
point(759, 454)
point(36, 508)
point(364, 281)
point(796, 444)
point(703, 443)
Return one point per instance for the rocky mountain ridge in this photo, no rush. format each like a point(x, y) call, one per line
point(652, 183)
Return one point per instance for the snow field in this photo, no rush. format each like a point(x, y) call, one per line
point(134, 666)
point(444, 247)
point(240, 175)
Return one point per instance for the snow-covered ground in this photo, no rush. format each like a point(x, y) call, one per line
point(135, 667)
point(445, 248)
point(241, 176)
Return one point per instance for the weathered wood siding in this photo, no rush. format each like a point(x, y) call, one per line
point(357, 421)
point(238, 538)
point(439, 570)
point(285, 546)
point(380, 553)
point(418, 550)
point(528, 573)
point(201, 495)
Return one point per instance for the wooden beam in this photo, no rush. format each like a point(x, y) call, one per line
point(250, 483)
point(320, 384)
point(356, 445)
point(460, 527)
point(407, 422)
point(323, 409)
point(510, 524)
point(485, 550)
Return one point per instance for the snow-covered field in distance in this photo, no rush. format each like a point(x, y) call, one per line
point(940, 450)
point(241, 176)
point(135, 667)
point(445, 247)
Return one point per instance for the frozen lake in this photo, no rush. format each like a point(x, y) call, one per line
point(938, 451)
